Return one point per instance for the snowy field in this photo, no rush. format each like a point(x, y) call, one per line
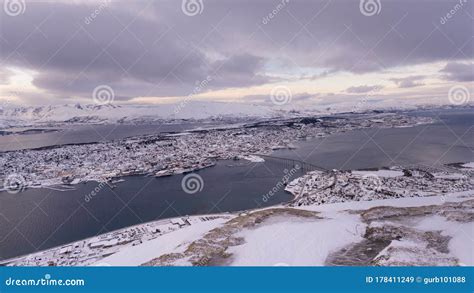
point(436, 230)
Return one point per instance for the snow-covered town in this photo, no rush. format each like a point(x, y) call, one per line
point(93, 250)
point(227, 238)
point(386, 217)
point(176, 153)
point(153, 145)
point(396, 182)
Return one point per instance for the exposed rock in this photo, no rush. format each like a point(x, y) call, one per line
point(211, 249)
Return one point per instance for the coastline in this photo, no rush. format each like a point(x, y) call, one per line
point(225, 215)
point(108, 175)
point(296, 196)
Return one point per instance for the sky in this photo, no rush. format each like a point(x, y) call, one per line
point(263, 52)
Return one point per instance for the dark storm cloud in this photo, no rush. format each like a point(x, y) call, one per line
point(151, 48)
point(459, 71)
point(335, 35)
point(237, 70)
point(147, 57)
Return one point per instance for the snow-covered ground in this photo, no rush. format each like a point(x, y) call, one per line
point(461, 244)
point(112, 113)
point(380, 173)
point(469, 165)
point(253, 158)
point(435, 230)
point(168, 243)
point(11, 115)
point(411, 231)
point(295, 242)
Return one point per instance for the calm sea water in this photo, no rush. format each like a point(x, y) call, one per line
point(449, 141)
point(41, 218)
point(87, 134)
point(37, 219)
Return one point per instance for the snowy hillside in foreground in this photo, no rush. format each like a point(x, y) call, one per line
point(435, 230)
point(425, 228)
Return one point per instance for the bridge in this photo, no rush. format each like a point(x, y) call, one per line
point(292, 163)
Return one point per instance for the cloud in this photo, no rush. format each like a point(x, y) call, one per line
point(5, 75)
point(457, 71)
point(295, 98)
point(134, 55)
point(409, 81)
point(363, 89)
point(153, 49)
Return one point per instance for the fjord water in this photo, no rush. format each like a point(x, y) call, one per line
point(88, 134)
point(37, 219)
point(449, 140)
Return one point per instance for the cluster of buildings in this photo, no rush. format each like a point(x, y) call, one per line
point(93, 250)
point(340, 186)
point(168, 154)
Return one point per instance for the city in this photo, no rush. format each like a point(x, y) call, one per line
point(169, 154)
point(237, 146)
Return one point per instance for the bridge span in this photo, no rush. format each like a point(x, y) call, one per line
point(292, 163)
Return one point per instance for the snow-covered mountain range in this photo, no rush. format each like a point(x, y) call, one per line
point(13, 116)
point(111, 113)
